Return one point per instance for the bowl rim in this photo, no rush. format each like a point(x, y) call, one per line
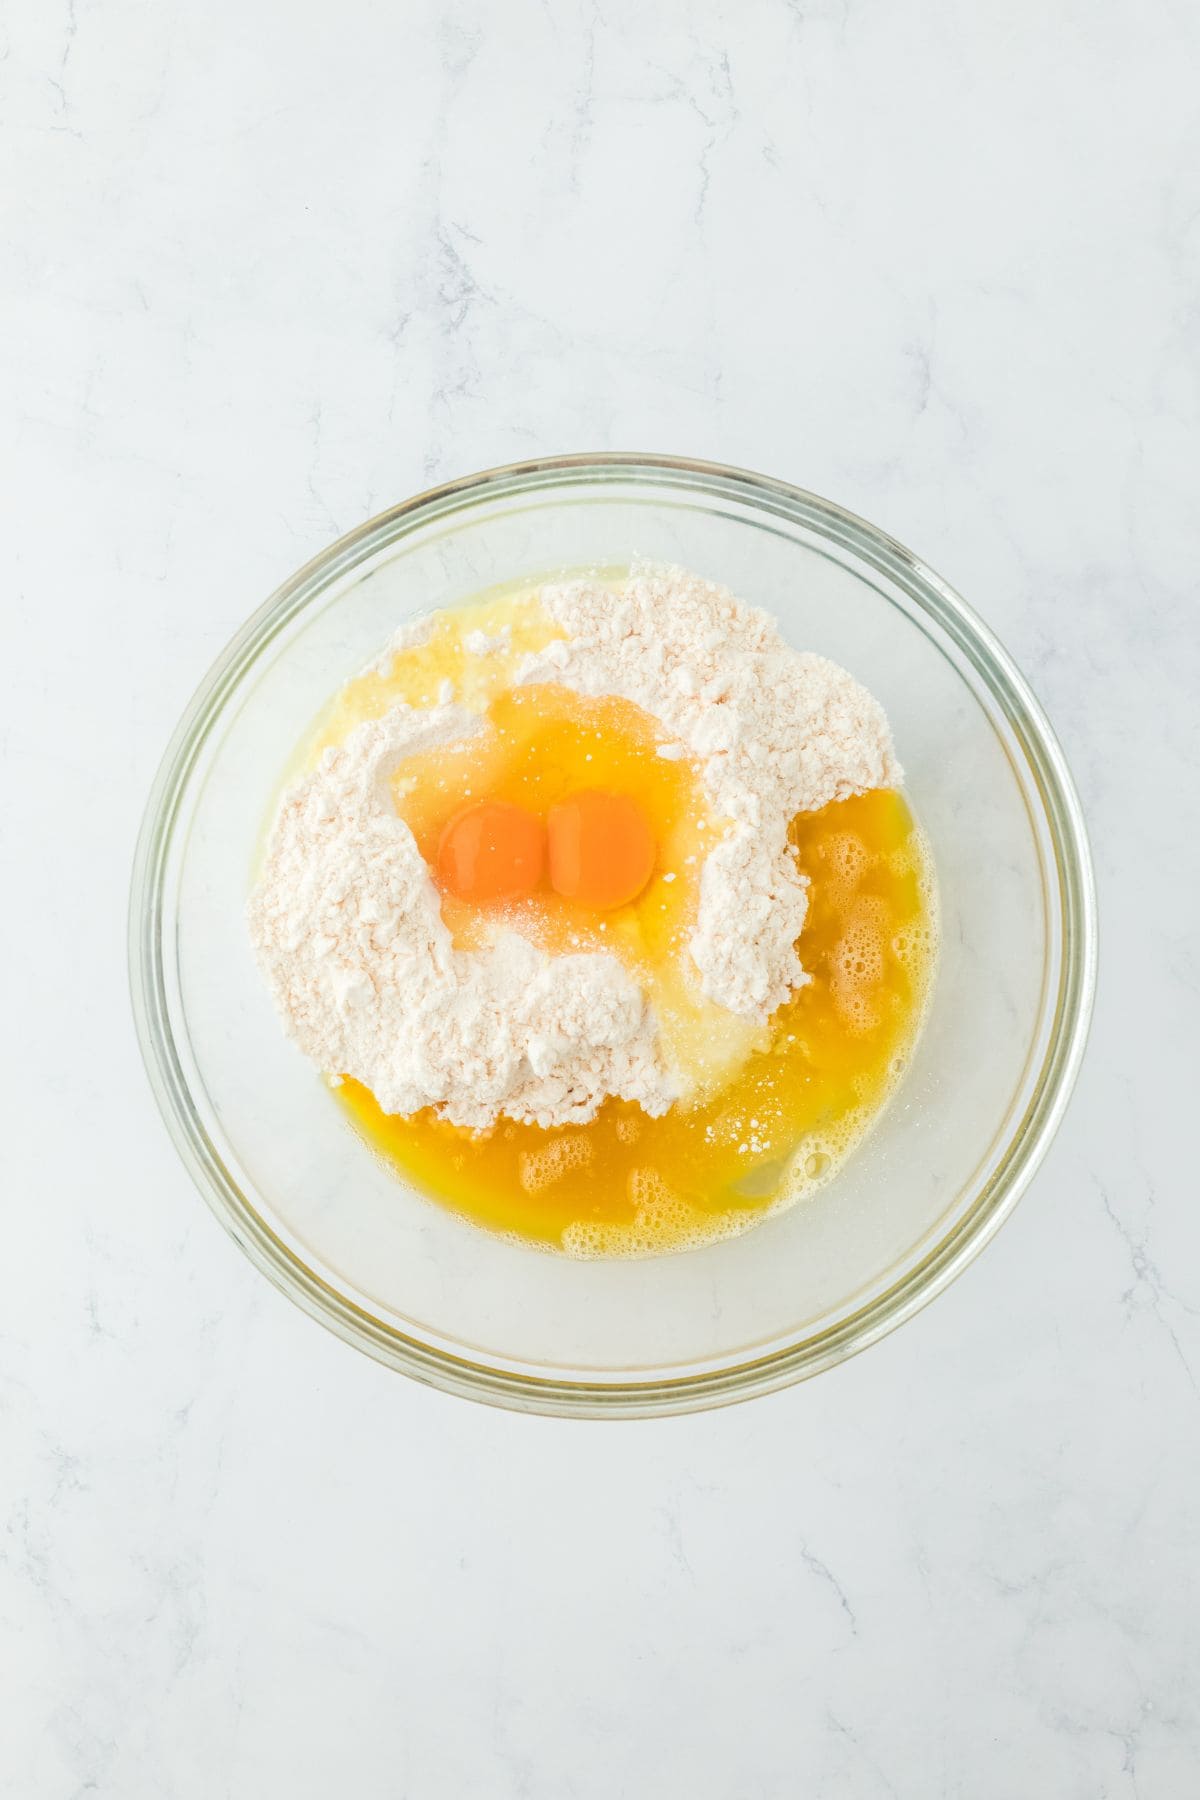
point(1028, 1139)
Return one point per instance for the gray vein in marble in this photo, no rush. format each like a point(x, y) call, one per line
point(824, 1573)
point(854, 1739)
point(261, 279)
point(1148, 1283)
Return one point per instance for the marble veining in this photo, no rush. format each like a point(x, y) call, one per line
point(269, 268)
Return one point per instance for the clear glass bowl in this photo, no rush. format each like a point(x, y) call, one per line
point(446, 1302)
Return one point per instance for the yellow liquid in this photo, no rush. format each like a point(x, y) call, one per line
point(769, 1112)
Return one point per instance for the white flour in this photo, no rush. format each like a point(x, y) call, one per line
point(347, 923)
point(348, 929)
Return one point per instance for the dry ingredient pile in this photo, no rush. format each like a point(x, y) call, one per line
point(600, 910)
point(347, 920)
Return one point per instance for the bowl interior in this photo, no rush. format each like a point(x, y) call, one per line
point(440, 1296)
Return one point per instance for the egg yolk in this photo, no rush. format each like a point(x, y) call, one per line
point(601, 849)
point(621, 831)
point(491, 851)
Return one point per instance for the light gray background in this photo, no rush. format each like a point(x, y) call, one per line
point(266, 267)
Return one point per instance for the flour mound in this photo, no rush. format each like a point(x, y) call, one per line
point(348, 931)
point(776, 732)
point(347, 924)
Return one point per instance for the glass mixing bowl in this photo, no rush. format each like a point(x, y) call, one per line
point(441, 1299)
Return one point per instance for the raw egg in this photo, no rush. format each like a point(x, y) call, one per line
point(491, 851)
point(601, 849)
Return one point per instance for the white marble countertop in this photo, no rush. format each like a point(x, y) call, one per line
point(268, 267)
